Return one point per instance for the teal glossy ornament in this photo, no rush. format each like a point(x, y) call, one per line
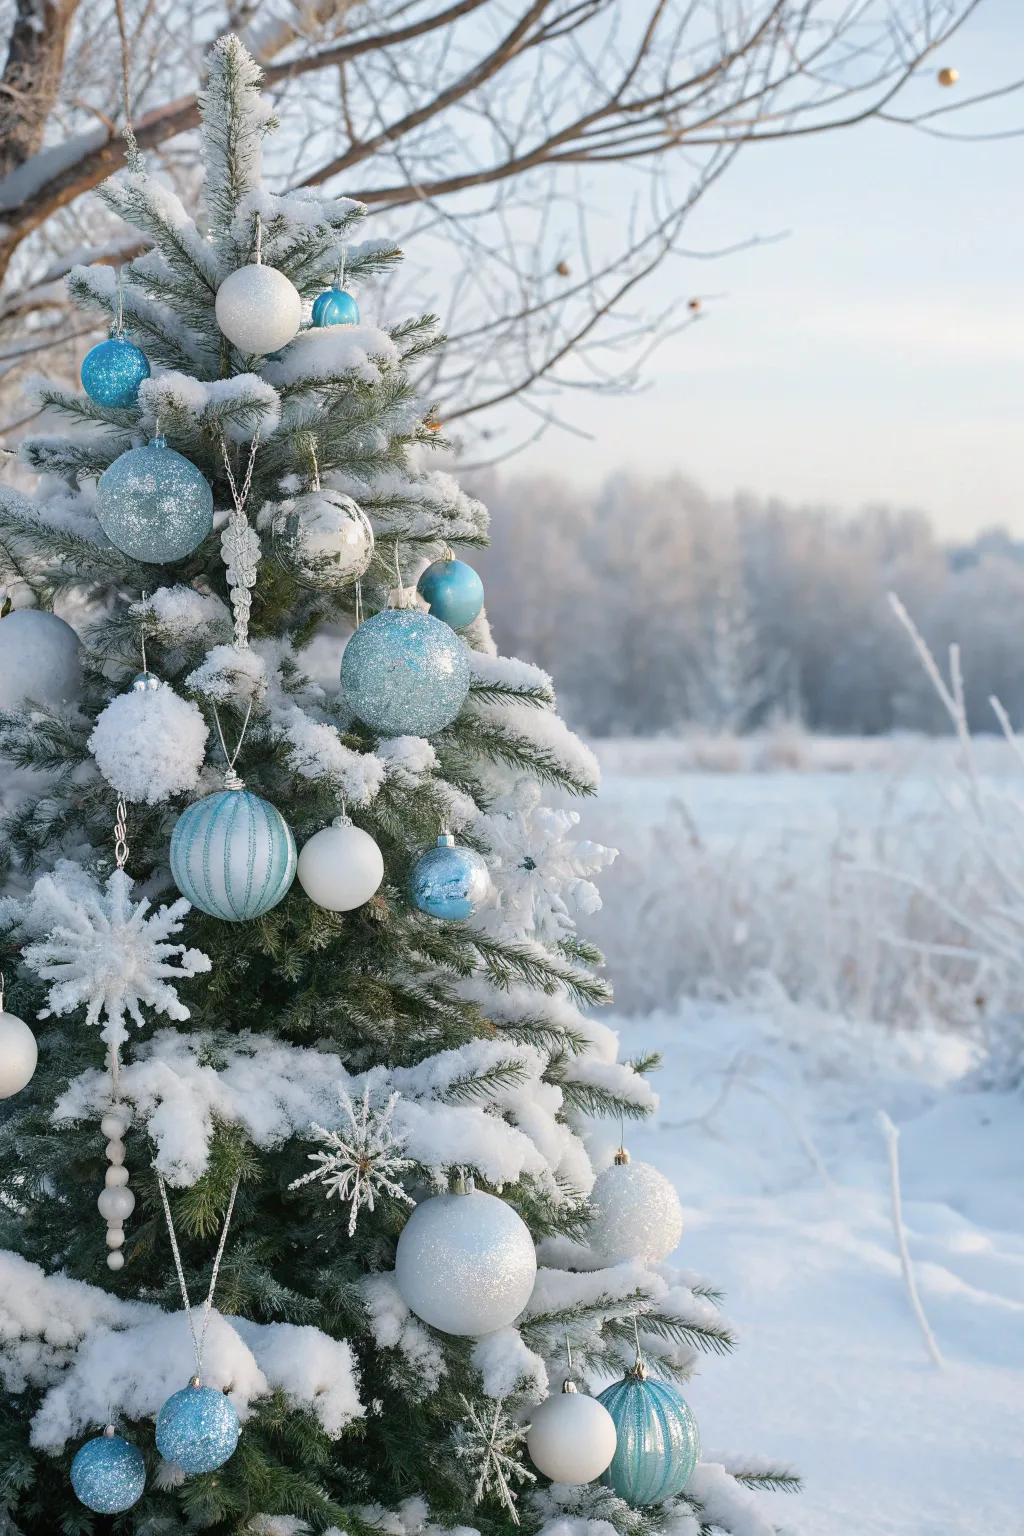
point(108, 1474)
point(335, 306)
point(657, 1442)
point(233, 854)
point(452, 591)
point(197, 1429)
point(154, 504)
point(405, 673)
point(448, 881)
point(112, 371)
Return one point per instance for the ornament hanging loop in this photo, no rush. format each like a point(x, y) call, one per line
point(232, 779)
point(198, 1339)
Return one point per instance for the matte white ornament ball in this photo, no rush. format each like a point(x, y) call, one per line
point(637, 1214)
point(466, 1263)
point(115, 1122)
point(115, 1260)
point(39, 660)
point(115, 1237)
point(150, 744)
point(18, 1055)
point(115, 1205)
point(340, 867)
point(571, 1437)
point(258, 309)
point(116, 1176)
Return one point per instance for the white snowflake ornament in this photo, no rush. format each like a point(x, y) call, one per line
point(363, 1161)
point(492, 1443)
point(101, 949)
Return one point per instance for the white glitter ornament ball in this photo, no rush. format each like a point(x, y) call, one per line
point(571, 1437)
point(258, 309)
point(466, 1263)
point(340, 867)
point(324, 539)
point(39, 660)
point(637, 1214)
point(18, 1055)
point(150, 744)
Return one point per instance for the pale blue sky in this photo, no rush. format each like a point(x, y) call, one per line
point(876, 353)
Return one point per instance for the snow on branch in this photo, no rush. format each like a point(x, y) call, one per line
point(235, 121)
point(240, 406)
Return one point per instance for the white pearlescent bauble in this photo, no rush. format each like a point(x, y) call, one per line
point(116, 1176)
point(466, 1263)
point(115, 1122)
point(18, 1055)
point(115, 1260)
point(39, 660)
point(340, 867)
point(258, 309)
point(115, 1205)
point(115, 1150)
point(571, 1438)
point(115, 1237)
point(637, 1214)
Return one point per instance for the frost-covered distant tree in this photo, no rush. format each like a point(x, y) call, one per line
point(226, 1048)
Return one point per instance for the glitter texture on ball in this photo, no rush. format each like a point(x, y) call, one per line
point(112, 372)
point(335, 307)
point(108, 1474)
point(197, 1429)
point(233, 855)
point(657, 1439)
point(465, 1263)
point(258, 309)
point(448, 881)
point(404, 673)
point(154, 504)
point(637, 1214)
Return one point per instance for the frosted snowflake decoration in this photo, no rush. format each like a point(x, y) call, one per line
point(363, 1160)
point(492, 1443)
point(543, 874)
point(100, 948)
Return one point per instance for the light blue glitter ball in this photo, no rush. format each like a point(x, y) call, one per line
point(405, 674)
point(153, 504)
point(113, 370)
point(335, 307)
point(448, 881)
point(233, 855)
point(658, 1443)
point(108, 1474)
point(197, 1429)
point(452, 591)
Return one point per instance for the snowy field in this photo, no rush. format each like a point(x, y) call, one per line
point(769, 1128)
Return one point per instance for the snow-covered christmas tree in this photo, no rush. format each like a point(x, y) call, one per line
point(300, 1224)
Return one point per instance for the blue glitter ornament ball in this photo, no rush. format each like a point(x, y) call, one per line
point(452, 591)
point(197, 1429)
point(448, 881)
point(405, 674)
point(108, 1474)
point(657, 1440)
point(112, 372)
point(233, 855)
point(153, 504)
point(335, 307)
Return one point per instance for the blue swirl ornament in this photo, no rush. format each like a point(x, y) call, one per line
point(657, 1440)
point(336, 306)
point(108, 1474)
point(197, 1428)
point(154, 504)
point(112, 371)
point(452, 591)
point(448, 881)
point(233, 855)
point(404, 673)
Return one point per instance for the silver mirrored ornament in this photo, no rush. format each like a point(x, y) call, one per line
point(448, 881)
point(323, 538)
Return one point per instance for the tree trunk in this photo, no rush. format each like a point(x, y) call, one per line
point(31, 77)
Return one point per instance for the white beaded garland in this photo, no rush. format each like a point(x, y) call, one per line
point(637, 1214)
point(116, 1201)
point(115, 1205)
point(258, 309)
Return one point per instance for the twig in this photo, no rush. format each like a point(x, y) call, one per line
point(892, 1142)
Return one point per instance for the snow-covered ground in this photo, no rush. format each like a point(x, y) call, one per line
point(769, 1128)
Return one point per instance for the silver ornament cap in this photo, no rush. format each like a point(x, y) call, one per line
point(146, 682)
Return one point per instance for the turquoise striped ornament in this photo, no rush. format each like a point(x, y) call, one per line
point(657, 1439)
point(233, 855)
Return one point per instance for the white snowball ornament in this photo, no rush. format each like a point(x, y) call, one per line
point(18, 1053)
point(149, 744)
point(340, 867)
point(39, 660)
point(258, 309)
point(637, 1214)
point(571, 1437)
point(465, 1262)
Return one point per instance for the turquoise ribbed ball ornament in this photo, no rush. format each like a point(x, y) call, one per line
point(233, 855)
point(154, 504)
point(112, 371)
point(448, 881)
point(404, 673)
point(197, 1429)
point(657, 1441)
point(336, 306)
point(108, 1474)
point(452, 591)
